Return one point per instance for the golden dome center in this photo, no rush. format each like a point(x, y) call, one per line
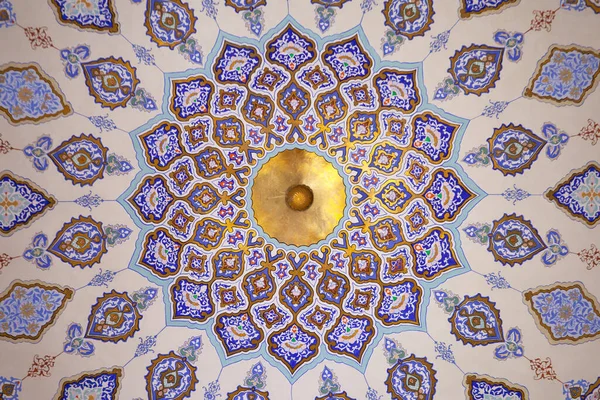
point(299, 197)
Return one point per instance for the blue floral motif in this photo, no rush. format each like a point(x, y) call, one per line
point(211, 392)
point(294, 346)
point(28, 309)
point(160, 254)
point(81, 242)
point(515, 194)
point(513, 240)
point(191, 300)
point(367, 5)
point(9, 16)
point(143, 54)
point(143, 101)
point(478, 157)
point(81, 159)
point(393, 351)
point(209, 7)
point(447, 195)
point(102, 278)
point(444, 352)
point(565, 313)
point(325, 17)
point(496, 281)
point(76, 343)
point(255, 20)
point(192, 51)
point(191, 349)
point(350, 336)
point(103, 123)
point(409, 370)
point(483, 387)
point(512, 347)
point(373, 395)
point(556, 139)
point(557, 249)
point(478, 233)
point(88, 200)
point(476, 68)
point(446, 89)
point(476, 7)
point(494, 109)
point(21, 203)
point(439, 41)
point(36, 252)
point(102, 384)
point(336, 54)
point(10, 387)
point(566, 75)
point(72, 58)
point(111, 81)
point(113, 318)
point(573, 5)
point(328, 382)
point(577, 194)
point(409, 18)
point(514, 148)
point(94, 15)
point(27, 94)
point(573, 389)
point(37, 152)
point(512, 42)
point(476, 321)
point(391, 42)
point(238, 333)
point(145, 346)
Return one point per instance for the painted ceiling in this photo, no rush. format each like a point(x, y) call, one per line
point(324, 199)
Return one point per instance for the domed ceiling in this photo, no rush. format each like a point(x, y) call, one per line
point(302, 199)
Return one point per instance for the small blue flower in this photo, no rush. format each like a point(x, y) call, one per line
point(556, 140)
point(511, 347)
point(37, 152)
point(36, 252)
point(72, 58)
point(75, 343)
point(512, 42)
point(556, 250)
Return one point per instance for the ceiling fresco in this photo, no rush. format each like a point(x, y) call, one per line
point(301, 199)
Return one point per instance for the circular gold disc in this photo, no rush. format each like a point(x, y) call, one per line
point(298, 197)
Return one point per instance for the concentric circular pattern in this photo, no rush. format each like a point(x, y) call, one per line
point(370, 165)
point(298, 180)
point(299, 197)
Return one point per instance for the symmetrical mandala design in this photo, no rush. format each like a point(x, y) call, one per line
point(206, 221)
point(296, 199)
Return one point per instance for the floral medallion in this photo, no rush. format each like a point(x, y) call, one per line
point(378, 170)
point(30, 95)
point(28, 309)
point(578, 194)
point(564, 312)
point(102, 384)
point(22, 202)
point(565, 76)
point(472, 8)
point(483, 387)
point(90, 15)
